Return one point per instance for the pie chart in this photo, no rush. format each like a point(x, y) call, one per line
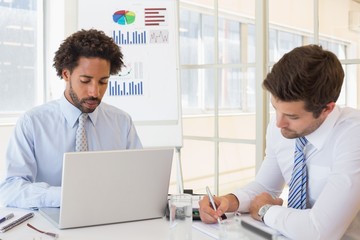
point(124, 17)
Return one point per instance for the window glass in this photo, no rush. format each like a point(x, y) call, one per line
point(281, 42)
point(191, 90)
point(237, 90)
point(230, 88)
point(251, 43)
point(229, 41)
point(209, 89)
point(207, 39)
point(188, 32)
point(236, 86)
point(196, 37)
point(18, 59)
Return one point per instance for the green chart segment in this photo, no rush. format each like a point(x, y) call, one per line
point(124, 17)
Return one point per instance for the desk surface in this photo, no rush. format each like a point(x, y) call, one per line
point(157, 229)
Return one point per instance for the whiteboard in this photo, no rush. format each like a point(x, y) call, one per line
point(148, 86)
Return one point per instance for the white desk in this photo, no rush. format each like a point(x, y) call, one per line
point(157, 229)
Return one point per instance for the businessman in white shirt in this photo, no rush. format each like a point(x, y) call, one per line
point(304, 87)
point(85, 61)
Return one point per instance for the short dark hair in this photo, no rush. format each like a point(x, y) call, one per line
point(307, 73)
point(87, 43)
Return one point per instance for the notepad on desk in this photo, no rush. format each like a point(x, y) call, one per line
point(212, 230)
point(252, 229)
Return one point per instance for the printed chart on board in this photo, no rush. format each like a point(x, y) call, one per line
point(147, 87)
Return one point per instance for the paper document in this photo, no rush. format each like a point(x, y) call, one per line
point(252, 229)
point(212, 230)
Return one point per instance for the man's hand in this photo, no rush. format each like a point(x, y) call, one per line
point(259, 201)
point(207, 213)
point(224, 204)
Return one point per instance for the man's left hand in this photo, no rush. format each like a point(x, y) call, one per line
point(260, 200)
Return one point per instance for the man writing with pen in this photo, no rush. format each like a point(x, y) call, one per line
point(312, 146)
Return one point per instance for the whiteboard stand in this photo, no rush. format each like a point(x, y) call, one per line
point(179, 180)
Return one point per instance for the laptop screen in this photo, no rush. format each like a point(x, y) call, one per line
point(103, 187)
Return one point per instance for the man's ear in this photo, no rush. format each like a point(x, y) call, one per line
point(328, 108)
point(65, 74)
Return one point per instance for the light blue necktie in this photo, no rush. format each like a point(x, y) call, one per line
point(81, 141)
point(297, 192)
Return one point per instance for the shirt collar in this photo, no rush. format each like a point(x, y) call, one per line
point(319, 136)
point(72, 113)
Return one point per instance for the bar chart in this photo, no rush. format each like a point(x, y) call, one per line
point(125, 88)
point(129, 37)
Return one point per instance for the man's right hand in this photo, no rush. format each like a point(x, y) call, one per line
point(224, 204)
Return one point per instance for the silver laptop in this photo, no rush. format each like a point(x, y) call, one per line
point(103, 187)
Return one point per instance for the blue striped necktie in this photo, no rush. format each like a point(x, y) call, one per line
point(297, 191)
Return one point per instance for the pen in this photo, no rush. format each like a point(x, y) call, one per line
point(16, 222)
point(7, 217)
point(212, 201)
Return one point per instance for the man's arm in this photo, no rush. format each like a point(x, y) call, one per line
point(18, 188)
point(17, 192)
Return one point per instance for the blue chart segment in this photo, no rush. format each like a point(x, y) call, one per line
point(129, 37)
point(125, 88)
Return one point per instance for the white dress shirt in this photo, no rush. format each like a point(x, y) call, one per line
point(42, 135)
point(333, 163)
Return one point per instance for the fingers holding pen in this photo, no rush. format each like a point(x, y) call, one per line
point(207, 212)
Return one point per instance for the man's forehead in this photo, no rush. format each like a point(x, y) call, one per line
point(290, 108)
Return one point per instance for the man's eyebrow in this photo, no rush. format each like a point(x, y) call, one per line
point(291, 115)
point(87, 76)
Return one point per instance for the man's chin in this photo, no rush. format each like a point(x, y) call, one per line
point(86, 109)
point(89, 108)
point(288, 134)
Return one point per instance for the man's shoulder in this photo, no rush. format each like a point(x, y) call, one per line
point(44, 110)
point(349, 117)
point(348, 113)
point(111, 109)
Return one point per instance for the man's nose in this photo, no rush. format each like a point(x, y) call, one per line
point(94, 90)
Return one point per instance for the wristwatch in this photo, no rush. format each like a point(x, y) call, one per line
point(263, 210)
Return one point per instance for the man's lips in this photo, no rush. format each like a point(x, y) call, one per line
point(92, 103)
